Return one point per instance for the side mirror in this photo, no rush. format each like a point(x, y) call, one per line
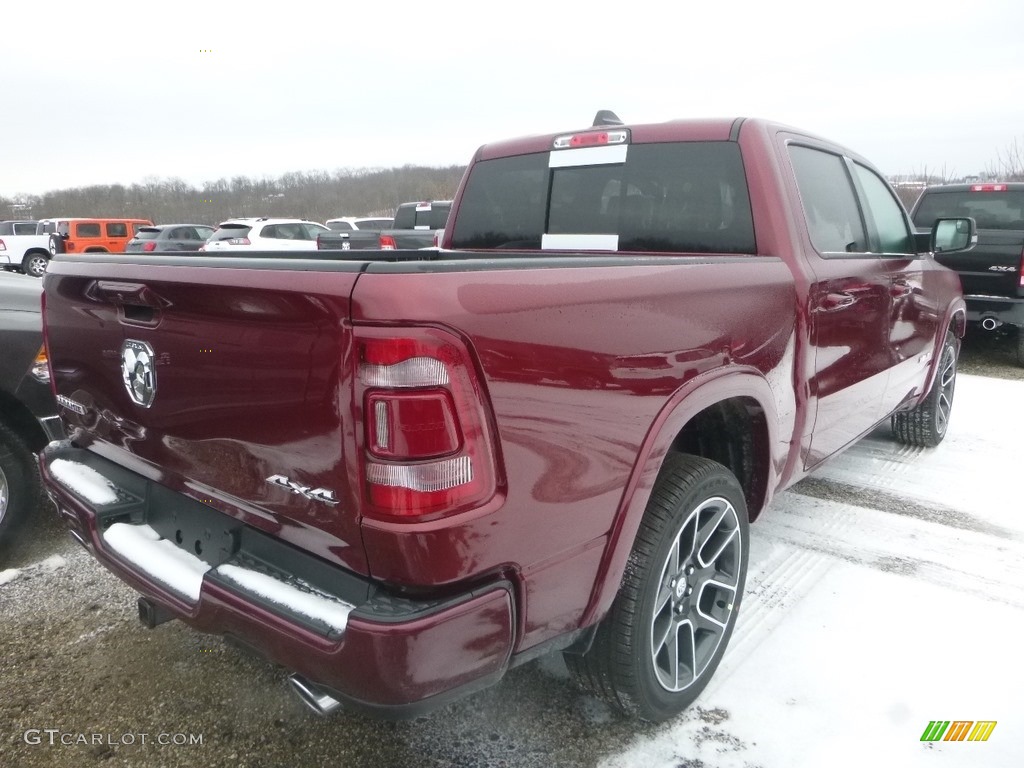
point(950, 235)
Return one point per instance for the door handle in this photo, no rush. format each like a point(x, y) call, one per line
point(900, 288)
point(833, 302)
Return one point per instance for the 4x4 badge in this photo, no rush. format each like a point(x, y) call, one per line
point(314, 494)
point(138, 371)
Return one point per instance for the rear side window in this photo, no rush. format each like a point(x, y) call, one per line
point(313, 231)
point(682, 197)
point(90, 229)
point(117, 229)
point(991, 209)
point(26, 228)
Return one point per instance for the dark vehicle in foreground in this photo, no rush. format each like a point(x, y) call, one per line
point(401, 473)
point(416, 225)
point(28, 412)
point(992, 273)
point(169, 237)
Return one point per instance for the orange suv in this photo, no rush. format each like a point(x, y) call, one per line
point(91, 235)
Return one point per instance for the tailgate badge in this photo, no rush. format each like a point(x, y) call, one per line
point(313, 494)
point(138, 371)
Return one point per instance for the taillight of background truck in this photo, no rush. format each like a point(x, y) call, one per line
point(387, 243)
point(428, 447)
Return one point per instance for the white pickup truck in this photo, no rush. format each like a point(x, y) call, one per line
point(24, 246)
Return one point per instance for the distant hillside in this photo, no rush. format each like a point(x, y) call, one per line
point(317, 196)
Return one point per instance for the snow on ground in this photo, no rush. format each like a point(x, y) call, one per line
point(884, 592)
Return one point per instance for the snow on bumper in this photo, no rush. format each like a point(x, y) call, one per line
point(376, 650)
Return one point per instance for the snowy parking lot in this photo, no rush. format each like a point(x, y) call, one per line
point(886, 591)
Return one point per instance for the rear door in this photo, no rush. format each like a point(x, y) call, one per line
point(118, 233)
point(849, 305)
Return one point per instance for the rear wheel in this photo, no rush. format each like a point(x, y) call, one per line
point(34, 264)
point(926, 424)
point(671, 621)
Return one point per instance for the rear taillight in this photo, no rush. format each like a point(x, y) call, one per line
point(149, 245)
point(46, 345)
point(2, 246)
point(40, 370)
point(428, 448)
point(387, 243)
point(1022, 268)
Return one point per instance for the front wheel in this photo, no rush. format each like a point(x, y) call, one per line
point(34, 264)
point(926, 424)
point(671, 621)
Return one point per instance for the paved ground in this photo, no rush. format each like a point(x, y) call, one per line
point(76, 664)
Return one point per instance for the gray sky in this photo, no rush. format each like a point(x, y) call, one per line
point(115, 91)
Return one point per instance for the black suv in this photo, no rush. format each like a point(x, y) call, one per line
point(28, 411)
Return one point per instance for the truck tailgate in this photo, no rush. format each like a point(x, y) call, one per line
point(229, 383)
point(992, 267)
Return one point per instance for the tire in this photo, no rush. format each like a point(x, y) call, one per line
point(56, 245)
point(34, 264)
point(20, 487)
point(671, 621)
point(927, 423)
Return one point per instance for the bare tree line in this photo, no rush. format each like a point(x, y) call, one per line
point(321, 195)
point(316, 195)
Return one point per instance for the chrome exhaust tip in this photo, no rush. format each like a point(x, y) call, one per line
point(990, 323)
point(313, 696)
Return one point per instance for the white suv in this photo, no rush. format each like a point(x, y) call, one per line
point(264, 234)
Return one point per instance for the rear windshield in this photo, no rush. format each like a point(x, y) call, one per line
point(384, 223)
point(991, 210)
point(686, 197)
point(430, 216)
point(147, 233)
point(229, 231)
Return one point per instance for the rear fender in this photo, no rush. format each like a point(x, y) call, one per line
point(688, 401)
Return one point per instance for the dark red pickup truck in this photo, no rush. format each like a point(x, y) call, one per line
point(401, 473)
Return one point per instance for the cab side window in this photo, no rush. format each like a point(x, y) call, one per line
point(884, 214)
point(829, 201)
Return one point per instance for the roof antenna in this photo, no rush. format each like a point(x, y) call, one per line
point(606, 117)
